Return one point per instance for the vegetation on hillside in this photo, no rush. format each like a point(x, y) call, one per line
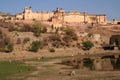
point(64, 37)
point(9, 47)
point(35, 46)
point(88, 63)
point(87, 45)
point(37, 29)
point(26, 39)
point(5, 44)
point(51, 49)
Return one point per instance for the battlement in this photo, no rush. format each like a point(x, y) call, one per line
point(59, 15)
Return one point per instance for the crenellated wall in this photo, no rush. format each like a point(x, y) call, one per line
point(59, 16)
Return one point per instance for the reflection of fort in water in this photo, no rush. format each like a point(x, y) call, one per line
point(101, 61)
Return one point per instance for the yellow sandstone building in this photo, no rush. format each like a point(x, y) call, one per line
point(60, 16)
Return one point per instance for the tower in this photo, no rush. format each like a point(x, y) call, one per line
point(27, 13)
point(28, 10)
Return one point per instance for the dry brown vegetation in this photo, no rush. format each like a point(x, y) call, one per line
point(65, 41)
point(67, 37)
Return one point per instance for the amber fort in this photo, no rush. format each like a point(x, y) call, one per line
point(60, 16)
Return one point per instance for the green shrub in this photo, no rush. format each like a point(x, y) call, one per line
point(87, 45)
point(70, 34)
point(52, 50)
point(9, 47)
point(37, 29)
point(69, 31)
point(88, 63)
point(35, 46)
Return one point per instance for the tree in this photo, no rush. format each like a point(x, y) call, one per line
point(37, 29)
point(35, 46)
point(87, 45)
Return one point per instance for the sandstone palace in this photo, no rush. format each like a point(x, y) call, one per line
point(60, 16)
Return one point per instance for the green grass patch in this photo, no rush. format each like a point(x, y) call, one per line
point(46, 59)
point(8, 69)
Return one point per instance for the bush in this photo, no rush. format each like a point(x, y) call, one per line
point(67, 38)
point(9, 47)
point(56, 44)
point(87, 45)
point(54, 38)
point(52, 50)
point(26, 28)
point(26, 40)
point(69, 31)
point(43, 29)
point(37, 29)
point(75, 37)
point(35, 46)
point(4, 40)
point(45, 42)
point(13, 29)
point(88, 63)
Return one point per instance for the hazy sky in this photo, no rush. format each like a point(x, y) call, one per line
point(108, 7)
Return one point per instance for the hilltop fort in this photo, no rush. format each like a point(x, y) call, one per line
point(60, 16)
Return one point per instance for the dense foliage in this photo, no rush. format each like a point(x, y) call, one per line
point(87, 45)
point(35, 46)
point(88, 63)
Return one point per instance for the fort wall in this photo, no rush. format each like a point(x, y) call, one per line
point(60, 16)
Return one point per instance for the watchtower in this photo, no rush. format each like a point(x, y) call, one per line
point(28, 10)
